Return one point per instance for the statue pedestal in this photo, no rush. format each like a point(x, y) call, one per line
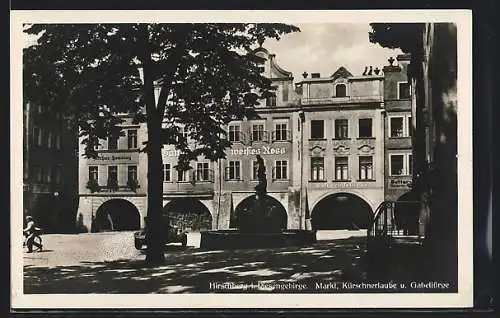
point(236, 239)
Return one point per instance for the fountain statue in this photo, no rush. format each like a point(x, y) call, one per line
point(259, 226)
point(263, 216)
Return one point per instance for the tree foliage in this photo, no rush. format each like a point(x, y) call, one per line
point(204, 76)
point(93, 71)
point(406, 36)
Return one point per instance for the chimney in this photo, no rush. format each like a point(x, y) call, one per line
point(315, 75)
point(391, 68)
point(366, 70)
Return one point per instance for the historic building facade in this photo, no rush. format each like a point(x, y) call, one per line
point(342, 149)
point(398, 126)
point(322, 141)
point(113, 186)
point(49, 167)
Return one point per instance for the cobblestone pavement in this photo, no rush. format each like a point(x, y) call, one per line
point(109, 263)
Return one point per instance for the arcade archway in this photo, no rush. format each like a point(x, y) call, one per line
point(188, 214)
point(341, 211)
point(117, 215)
point(275, 206)
point(406, 212)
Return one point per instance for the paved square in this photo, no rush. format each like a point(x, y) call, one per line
point(108, 263)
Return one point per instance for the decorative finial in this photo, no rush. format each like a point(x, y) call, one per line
point(370, 71)
point(305, 74)
point(261, 41)
point(366, 70)
point(376, 70)
point(391, 60)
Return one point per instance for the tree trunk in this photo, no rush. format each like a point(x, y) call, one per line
point(155, 225)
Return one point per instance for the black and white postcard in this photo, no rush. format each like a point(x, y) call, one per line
point(241, 159)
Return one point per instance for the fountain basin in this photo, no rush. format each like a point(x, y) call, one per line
point(234, 239)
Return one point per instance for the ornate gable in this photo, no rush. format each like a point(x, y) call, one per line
point(341, 72)
point(273, 70)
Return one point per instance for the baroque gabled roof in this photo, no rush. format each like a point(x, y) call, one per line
point(341, 72)
point(276, 70)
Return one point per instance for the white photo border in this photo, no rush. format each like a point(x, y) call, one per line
point(462, 299)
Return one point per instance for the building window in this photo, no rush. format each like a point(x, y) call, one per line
point(397, 165)
point(365, 168)
point(49, 174)
point(185, 132)
point(58, 141)
point(340, 90)
point(49, 140)
point(280, 170)
point(233, 171)
point(37, 135)
point(44, 175)
point(403, 90)
point(183, 176)
point(317, 129)
point(396, 126)
point(341, 168)
point(234, 133)
point(285, 92)
point(58, 173)
point(365, 128)
point(166, 172)
point(401, 164)
point(132, 173)
point(258, 132)
point(132, 138)
point(255, 167)
point(93, 173)
point(202, 171)
point(341, 129)
point(317, 169)
point(271, 100)
point(280, 132)
point(113, 142)
point(40, 108)
point(410, 164)
point(112, 176)
point(410, 126)
point(36, 173)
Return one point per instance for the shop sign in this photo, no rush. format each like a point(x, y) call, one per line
point(114, 158)
point(399, 183)
point(247, 151)
point(342, 185)
point(264, 150)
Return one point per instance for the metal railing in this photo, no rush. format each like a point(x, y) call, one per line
point(281, 135)
point(388, 226)
point(203, 175)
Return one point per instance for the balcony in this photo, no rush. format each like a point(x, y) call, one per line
point(281, 136)
point(259, 136)
point(202, 175)
point(112, 186)
point(341, 100)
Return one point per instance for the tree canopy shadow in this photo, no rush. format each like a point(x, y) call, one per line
point(192, 270)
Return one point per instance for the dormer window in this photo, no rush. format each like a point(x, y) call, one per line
point(340, 90)
point(261, 68)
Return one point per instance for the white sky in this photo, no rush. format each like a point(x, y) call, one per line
point(323, 48)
